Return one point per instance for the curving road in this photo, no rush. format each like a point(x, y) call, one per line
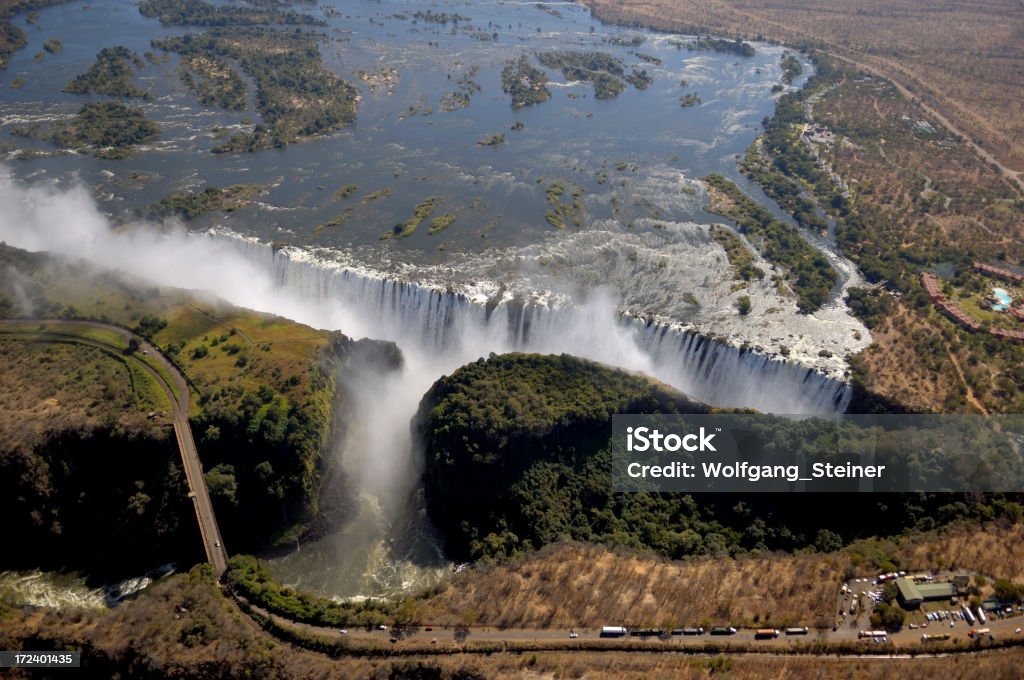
point(178, 397)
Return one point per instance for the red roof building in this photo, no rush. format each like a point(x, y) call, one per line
point(996, 271)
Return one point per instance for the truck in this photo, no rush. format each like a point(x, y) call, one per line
point(934, 638)
point(766, 633)
point(978, 632)
point(613, 632)
point(872, 634)
point(797, 631)
point(723, 630)
point(968, 615)
point(693, 631)
point(981, 616)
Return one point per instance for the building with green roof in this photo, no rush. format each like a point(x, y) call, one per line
point(912, 594)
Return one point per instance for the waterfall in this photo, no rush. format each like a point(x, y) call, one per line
point(457, 327)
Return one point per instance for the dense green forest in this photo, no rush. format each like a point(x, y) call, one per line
point(86, 500)
point(737, 47)
point(111, 75)
point(518, 455)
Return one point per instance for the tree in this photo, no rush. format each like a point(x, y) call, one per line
point(222, 484)
point(1008, 591)
point(889, 617)
point(743, 304)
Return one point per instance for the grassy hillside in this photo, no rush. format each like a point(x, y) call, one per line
point(262, 387)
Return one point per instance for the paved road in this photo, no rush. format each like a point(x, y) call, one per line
point(440, 639)
point(178, 397)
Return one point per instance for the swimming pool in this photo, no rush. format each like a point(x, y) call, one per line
point(1004, 299)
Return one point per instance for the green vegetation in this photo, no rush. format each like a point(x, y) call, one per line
point(740, 257)
point(345, 192)
point(518, 455)
point(808, 272)
point(110, 75)
point(561, 214)
point(53, 46)
point(527, 84)
point(408, 228)
point(634, 41)
point(66, 402)
point(743, 305)
point(296, 96)
point(214, 81)
point(600, 69)
point(511, 430)
point(737, 47)
point(791, 68)
point(639, 79)
point(431, 17)
point(12, 38)
point(199, 13)
point(690, 99)
point(440, 223)
point(377, 195)
point(188, 205)
point(784, 167)
point(262, 387)
point(492, 140)
point(335, 221)
point(249, 577)
point(111, 129)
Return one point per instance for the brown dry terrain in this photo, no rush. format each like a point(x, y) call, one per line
point(931, 188)
point(965, 58)
point(568, 585)
point(927, 199)
point(184, 627)
point(895, 367)
point(53, 387)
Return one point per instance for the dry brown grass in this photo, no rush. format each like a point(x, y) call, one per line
point(965, 57)
point(895, 369)
point(184, 628)
point(582, 585)
point(50, 387)
point(585, 585)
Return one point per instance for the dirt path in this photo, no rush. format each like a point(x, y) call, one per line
point(971, 399)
